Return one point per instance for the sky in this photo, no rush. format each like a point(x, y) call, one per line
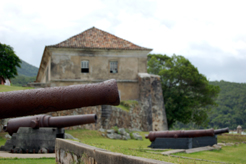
point(210, 33)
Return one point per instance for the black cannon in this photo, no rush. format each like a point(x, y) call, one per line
point(39, 121)
point(38, 101)
point(184, 139)
point(35, 134)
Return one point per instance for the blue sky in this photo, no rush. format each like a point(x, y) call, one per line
point(211, 34)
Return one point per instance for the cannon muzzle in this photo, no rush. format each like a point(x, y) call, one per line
point(220, 131)
point(179, 134)
point(38, 101)
point(48, 121)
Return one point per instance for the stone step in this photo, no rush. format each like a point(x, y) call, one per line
point(173, 151)
point(188, 151)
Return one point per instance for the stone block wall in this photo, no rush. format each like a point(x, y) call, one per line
point(152, 103)
point(78, 153)
point(148, 115)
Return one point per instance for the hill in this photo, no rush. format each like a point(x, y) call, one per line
point(26, 74)
point(231, 109)
point(27, 69)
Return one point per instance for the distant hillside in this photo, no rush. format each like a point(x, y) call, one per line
point(231, 109)
point(27, 69)
point(26, 74)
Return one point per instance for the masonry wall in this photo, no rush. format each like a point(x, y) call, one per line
point(62, 66)
point(151, 102)
point(147, 115)
point(79, 153)
point(66, 64)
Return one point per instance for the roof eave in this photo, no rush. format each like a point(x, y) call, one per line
point(144, 49)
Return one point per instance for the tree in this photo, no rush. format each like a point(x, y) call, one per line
point(188, 96)
point(9, 62)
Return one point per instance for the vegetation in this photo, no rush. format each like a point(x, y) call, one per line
point(22, 80)
point(9, 62)
point(231, 154)
point(27, 70)
point(126, 105)
point(26, 74)
point(4, 88)
point(139, 148)
point(231, 109)
point(28, 160)
point(187, 93)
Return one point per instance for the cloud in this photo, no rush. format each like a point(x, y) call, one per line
point(209, 33)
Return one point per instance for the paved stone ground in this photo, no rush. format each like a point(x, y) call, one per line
point(18, 155)
point(188, 151)
point(173, 151)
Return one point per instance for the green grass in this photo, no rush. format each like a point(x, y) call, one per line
point(232, 154)
point(126, 105)
point(5, 88)
point(233, 138)
point(27, 161)
point(129, 147)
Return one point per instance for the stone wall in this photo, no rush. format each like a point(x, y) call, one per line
point(152, 104)
point(74, 152)
point(148, 115)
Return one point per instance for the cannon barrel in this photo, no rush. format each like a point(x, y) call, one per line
point(179, 134)
point(220, 131)
point(38, 101)
point(48, 121)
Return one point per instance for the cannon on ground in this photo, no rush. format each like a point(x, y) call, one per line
point(38, 133)
point(34, 134)
point(220, 131)
point(39, 121)
point(184, 139)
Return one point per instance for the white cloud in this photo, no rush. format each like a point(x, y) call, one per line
point(206, 32)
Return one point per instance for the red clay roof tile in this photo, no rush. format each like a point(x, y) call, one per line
point(98, 39)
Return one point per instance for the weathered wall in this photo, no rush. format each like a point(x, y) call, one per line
point(74, 152)
point(128, 90)
point(152, 103)
point(64, 68)
point(66, 64)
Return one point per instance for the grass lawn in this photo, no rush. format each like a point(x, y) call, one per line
point(5, 88)
point(27, 161)
point(230, 154)
point(138, 148)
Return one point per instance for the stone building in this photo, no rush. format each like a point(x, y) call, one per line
point(94, 56)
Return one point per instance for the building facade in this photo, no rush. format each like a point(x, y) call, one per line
point(94, 56)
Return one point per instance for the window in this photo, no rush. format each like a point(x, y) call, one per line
point(85, 66)
point(114, 67)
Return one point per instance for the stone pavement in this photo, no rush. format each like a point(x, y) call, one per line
point(173, 151)
point(5, 154)
point(188, 151)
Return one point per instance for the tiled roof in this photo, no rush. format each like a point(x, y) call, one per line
point(96, 38)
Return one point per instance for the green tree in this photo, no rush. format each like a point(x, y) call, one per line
point(9, 62)
point(188, 96)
